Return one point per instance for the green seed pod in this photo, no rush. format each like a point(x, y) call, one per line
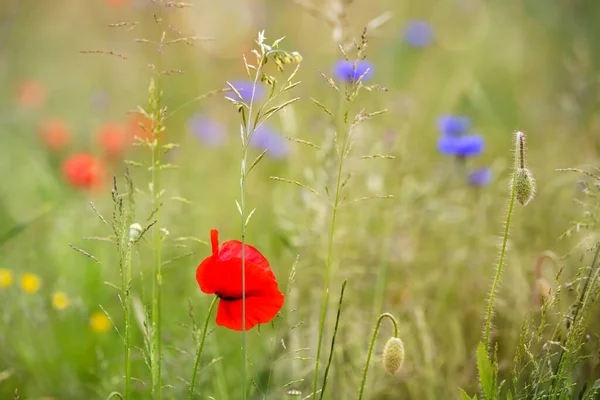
point(393, 355)
point(524, 186)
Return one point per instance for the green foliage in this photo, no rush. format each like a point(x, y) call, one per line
point(487, 373)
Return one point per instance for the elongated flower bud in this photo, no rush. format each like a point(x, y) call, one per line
point(393, 355)
point(524, 186)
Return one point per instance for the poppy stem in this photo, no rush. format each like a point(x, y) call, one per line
point(496, 282)
point(201, 346)
point(372, 345)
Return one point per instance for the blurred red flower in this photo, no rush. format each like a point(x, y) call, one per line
point(116, 3)
point(83, 171)
point(54, 133)
point(221, 274)
point(31, 94)
point(113, 139)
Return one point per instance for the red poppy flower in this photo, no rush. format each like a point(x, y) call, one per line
point(83, 171)
point(221, 274)
point(113, 139)
point(54, 133)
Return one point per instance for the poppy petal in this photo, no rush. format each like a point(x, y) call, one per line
point(260, 309)
point(214, 241)
point(207, 275)
point(233, 249)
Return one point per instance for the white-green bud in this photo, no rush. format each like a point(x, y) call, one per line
point(393, 355)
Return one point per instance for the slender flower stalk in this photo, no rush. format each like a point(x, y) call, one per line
point(517, 162)
point(372, 345)
point(201, 346)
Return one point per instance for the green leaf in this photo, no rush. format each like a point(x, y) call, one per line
point(486, 372)
point(465, 396)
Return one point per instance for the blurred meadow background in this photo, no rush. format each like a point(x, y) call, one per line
point(425, 252)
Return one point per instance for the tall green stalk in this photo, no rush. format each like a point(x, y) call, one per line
point(335, 205)
point(488, 321)
point(127, 309)
point(157, 128)
point(249, 128)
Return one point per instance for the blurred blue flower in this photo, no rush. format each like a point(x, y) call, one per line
point(245, 90)
point(345, 70)
point(461, 146)
point(209, 131)
point(480, 177)
point(267, 138)
point(453, 125)
point(418, 33)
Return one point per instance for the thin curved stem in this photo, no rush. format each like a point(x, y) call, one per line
point(372, 345)
point(201, 346)
point(488, 320)
point(335, 329)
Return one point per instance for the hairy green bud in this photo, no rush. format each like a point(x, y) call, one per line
point(524, 186)
point(393, 355)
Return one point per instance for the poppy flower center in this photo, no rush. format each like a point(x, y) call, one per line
point(227, 298)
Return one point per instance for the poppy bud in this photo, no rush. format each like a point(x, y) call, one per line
point(135, 230)
point(393, 355)
point(524, 186)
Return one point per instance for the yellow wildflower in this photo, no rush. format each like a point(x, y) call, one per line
point(6, 277)
point(100, 322)
point(30, 283)
point(60, 300)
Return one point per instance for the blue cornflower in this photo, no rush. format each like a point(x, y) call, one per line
point(209, 131)
point(345, 70)
point(245, 90)
point(480, 177)
point(453, 125)
point(461, 146)
point(267, 138)
point(418, 33)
